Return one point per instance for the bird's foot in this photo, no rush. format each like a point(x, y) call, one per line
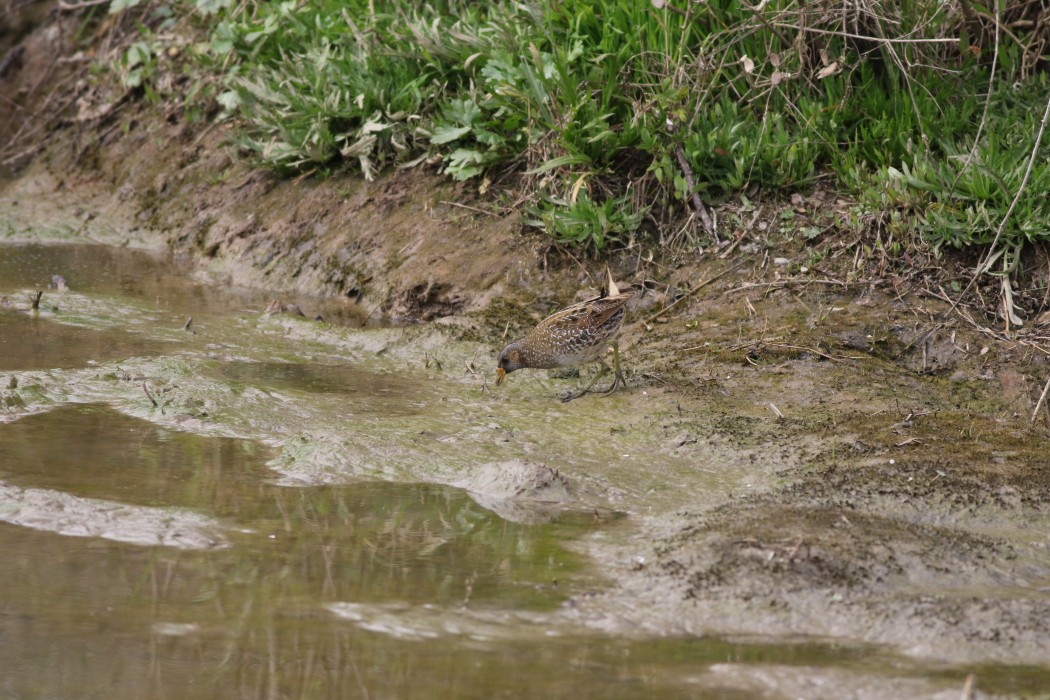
point(617, 382)
point(566, 398)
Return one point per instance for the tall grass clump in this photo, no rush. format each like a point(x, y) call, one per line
point(614, 116)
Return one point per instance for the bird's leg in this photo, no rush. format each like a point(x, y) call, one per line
point(618, 379)
point(577, 394)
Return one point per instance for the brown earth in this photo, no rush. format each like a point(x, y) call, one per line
point(920, 510)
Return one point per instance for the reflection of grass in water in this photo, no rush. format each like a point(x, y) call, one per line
point(50, 341)
point(366, 542)
point(419, 544)
point(381, 541)
point(257, 605)
point(278, 655)
point(261, 628)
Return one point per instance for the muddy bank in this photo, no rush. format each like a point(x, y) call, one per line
point(396, 247)
point(802, 450)
point(732, 489)
point(918, 514)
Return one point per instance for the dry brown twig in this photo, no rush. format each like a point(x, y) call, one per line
point(757, 342)
point(1042, 397)
point(149, 395)
point(705, 216)
point(873, 39)
point(968, 692)
point(780, 284)
point(692, 292)
point(74, 6)
point(814, 351)
point(760, 343)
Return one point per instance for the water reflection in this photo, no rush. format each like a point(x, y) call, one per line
point(125, 619)
point(36, 343)
point(368, 541)
point(152, 277)
point(341, 379)
point(96, 452)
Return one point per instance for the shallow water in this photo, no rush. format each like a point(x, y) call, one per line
point(145, 276)
point(28, 342)
point(200, 514)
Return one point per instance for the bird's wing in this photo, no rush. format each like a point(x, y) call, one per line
point(604, 308)
point(592, 312)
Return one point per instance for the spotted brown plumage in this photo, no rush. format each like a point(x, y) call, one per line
point(576, 335)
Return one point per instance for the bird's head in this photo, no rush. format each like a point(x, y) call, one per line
point(510, 359)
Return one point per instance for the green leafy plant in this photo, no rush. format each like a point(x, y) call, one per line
point(586, 222)
point(137, 65)
point(596, 104)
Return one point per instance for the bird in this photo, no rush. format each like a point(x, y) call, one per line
point(575, 335)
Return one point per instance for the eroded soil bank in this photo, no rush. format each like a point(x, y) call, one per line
point(805, 448)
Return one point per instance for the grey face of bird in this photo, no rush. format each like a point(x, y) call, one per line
point(510, 359)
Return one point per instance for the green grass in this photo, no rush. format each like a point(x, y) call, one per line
point(588, 100)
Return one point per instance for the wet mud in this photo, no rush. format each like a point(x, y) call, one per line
point(805, 487)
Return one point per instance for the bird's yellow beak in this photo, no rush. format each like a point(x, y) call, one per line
point(500, 375)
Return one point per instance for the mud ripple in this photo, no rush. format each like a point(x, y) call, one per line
point(73, 516)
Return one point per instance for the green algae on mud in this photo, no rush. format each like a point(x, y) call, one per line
point(700, 509)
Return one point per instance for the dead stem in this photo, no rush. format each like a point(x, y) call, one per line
point(692, 292)
point(780, 284)
point(73, 7)
point(1042, 397)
